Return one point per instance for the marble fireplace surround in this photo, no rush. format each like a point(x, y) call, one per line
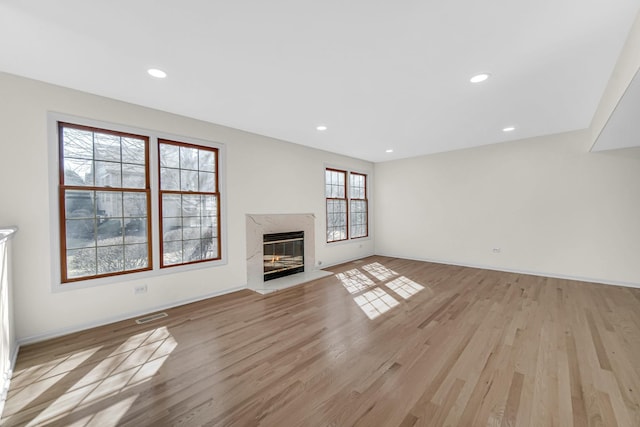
point(260, 224)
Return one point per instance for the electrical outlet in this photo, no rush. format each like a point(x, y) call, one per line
point(496, 250)
point(140, 289)
point(319, 262)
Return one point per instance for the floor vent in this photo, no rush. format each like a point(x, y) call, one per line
point(151, 318)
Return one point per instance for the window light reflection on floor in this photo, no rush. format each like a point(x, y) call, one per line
point(379, 271)
point(404, 287)
point(375, 302)
point(30, 383)
point(114, 377)
point(109, 416)
point(355, 281)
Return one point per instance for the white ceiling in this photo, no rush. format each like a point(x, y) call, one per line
point(379, 74)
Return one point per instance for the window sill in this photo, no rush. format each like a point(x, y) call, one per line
point(135, 277)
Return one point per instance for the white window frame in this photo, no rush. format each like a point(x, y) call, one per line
point(54, 218)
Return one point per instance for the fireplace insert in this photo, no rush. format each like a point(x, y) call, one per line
point(283, 254)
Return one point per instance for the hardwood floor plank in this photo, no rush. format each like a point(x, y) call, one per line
point(608, 415)
point(597, 342)
point(513, 400)
point(577, 402)
point(420, 345)
point(440, 309)
point(443, 410)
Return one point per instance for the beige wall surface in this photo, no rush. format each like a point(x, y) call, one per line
point(255, 166)
point(626, 68)
point(548, 204)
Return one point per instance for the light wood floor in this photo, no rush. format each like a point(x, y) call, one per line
point(386, 342)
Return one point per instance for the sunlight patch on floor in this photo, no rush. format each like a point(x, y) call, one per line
point(137, 360)
point(368, 293)
point(404, 287)
point(108, 417)
point(355, 281)
point(375, 302)
point(379, 271)
point(29, 384)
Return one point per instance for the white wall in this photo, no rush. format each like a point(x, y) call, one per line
point(255, 166)
point(550, 205)
point(626, 68)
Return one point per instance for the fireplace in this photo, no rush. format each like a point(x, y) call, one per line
point(283, 254)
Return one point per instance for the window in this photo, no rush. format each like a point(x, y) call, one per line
point(130, 201)
point(347, 205)
point(336, 194)
point(358, 205)
point(189, 200)
point(104, 202)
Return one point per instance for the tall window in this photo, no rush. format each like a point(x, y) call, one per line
point(189, 203)
point(104, 202)
point(347, 205)
point(336, 195)
point(358, 205)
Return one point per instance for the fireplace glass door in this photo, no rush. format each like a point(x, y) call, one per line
point(283, 254)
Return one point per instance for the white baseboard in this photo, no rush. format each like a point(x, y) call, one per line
point(66, 331)
point(510, 270)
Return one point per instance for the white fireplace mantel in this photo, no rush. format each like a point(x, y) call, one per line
point(261, 224)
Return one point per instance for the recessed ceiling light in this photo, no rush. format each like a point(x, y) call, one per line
point(479, 78)
point(390, 150)
point(321, 127)
point(508, 129)
point(158, 74)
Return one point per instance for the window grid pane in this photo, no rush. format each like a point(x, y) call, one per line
point(99, 221)
point(358, 218)
point(189, 201)
point(335, 184)
point(336, 220)
point(357, 187)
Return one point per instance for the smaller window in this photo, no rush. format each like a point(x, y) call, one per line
point(189, 203)
point(336, 198)
point(358, 205)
